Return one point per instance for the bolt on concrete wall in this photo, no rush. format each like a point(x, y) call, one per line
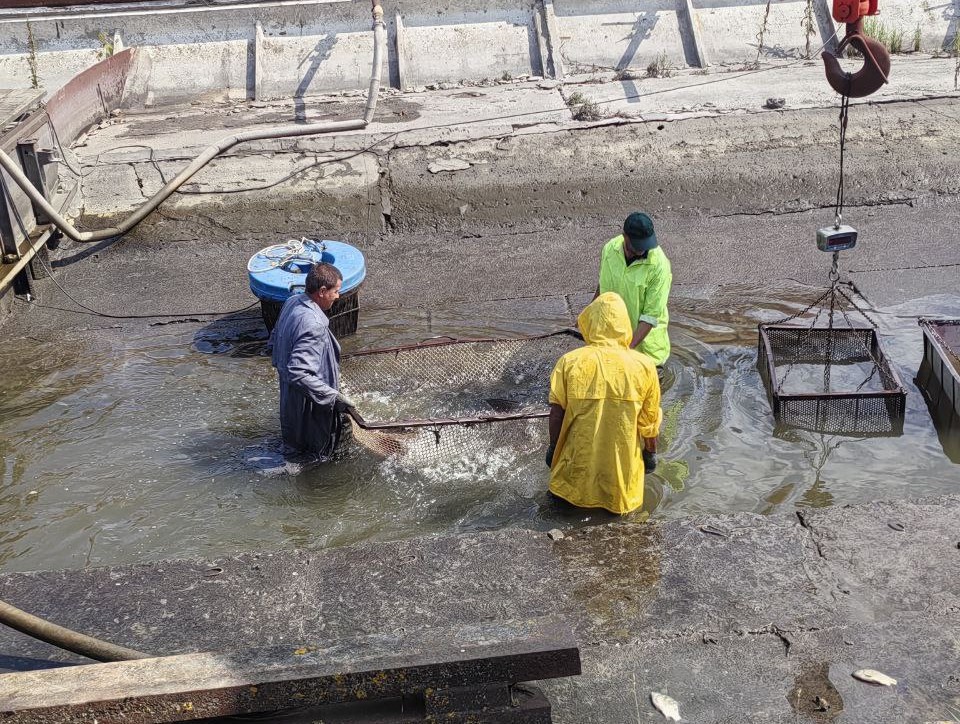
point(316, 46)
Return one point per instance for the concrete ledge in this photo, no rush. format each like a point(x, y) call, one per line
point(310, 47)
point(195, 686)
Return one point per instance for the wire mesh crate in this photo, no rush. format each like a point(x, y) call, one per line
point(833, 380)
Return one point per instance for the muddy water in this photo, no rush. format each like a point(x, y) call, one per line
point(163, 443)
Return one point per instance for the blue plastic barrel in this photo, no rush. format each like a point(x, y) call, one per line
point(280, 271)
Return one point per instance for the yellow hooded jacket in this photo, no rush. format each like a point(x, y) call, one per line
point(611, 400)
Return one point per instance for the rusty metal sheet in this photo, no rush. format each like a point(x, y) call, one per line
point(89, 96)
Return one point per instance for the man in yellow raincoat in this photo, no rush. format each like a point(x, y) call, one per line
point(604, 413)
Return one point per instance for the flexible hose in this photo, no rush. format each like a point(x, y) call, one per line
point(64, 638)
point(379, 43)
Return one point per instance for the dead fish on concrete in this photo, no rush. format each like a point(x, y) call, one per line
point(874, 677)
point(665, 705)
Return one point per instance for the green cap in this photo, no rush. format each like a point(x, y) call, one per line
point(638, 231)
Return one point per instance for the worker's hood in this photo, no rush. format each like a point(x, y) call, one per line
point(605, 322)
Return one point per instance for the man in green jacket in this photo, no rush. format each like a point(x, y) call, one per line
point(634, 266)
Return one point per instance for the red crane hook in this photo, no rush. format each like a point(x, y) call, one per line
point(876, 59)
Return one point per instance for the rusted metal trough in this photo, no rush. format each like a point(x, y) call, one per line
point(466, 673)
point(36, 133)
point(939, 379)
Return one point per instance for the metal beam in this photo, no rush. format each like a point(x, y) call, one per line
point(27, 151)
point(9, 238)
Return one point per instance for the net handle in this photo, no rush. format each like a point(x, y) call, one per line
point(444, 341)
point(442, 421)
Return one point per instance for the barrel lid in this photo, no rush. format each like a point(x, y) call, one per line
point(280, 270)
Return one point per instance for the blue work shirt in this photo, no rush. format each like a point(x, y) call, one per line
point(307, 358)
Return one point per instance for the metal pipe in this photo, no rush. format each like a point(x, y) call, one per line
point(64, 638)
point(290, 131)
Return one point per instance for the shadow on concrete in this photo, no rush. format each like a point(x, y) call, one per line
point(28, 663)
point(951, 13)
point(84, 251)
point(315, 58)
point(642, 29)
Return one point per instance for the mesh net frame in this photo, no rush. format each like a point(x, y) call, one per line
point(855, 412)
point(497, 391)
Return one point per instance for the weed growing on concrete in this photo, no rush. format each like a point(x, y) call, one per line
point(625, 74)
point(875, 28)
point(582, 108)
point(763, 30)
point(660, 67)
point(506, 77)
point(809, 26)
point(896, 40)
point(32, 57)
point(916, 40)
point(106, 45)
point(889, 37)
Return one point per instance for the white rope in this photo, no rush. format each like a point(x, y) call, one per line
point(292, 249)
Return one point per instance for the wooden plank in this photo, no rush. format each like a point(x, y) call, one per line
point(195, 686)
point(14, 103)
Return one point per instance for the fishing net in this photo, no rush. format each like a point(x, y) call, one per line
point(445, 398)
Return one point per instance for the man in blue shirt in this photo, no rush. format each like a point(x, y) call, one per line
point(307, 358)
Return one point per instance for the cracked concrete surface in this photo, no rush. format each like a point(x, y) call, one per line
point(739, 618)
point(736, 197)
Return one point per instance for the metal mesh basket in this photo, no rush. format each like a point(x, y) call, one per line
point(445, 398)
point(833, 380)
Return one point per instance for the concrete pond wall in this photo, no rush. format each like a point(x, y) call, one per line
point(291, 48)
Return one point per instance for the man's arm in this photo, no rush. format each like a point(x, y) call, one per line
point(556, 423)
point(648, 423)
point(640, 333)
point(653, 306)
point(651, 416)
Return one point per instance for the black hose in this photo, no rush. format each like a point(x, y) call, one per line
point(64, 638)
